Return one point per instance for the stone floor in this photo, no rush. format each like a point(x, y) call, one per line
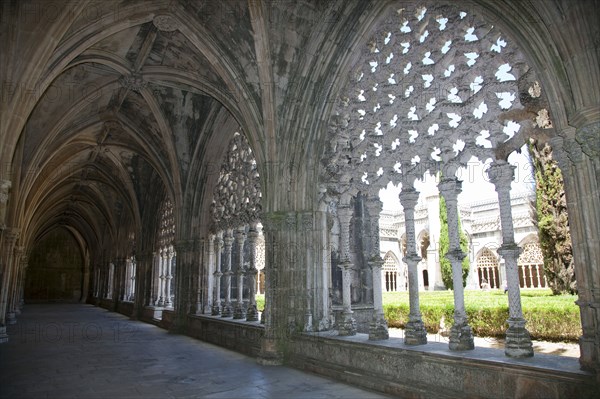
point(80, 351)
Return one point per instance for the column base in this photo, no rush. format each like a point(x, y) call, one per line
point(3, 334)
point(11, 318)
point(588, 359)
point(239, 311)
point(347, 325)
point(461, 337)
point(252, 313)
point(324, 324)
point(378, 329)
point(269, 355)
point(308, 325)
point(518, 341)
point(215, 310)
point(415, 333)
point(226, 311)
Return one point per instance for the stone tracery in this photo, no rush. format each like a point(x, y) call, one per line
point(235, 216)
point(434, 86)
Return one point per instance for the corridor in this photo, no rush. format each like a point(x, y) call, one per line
point(80, 351)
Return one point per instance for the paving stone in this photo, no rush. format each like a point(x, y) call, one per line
point(110, 366)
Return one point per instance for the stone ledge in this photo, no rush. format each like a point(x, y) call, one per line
point(239, 335)
point(433, 370)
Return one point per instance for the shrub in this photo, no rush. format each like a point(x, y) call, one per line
point(552, 318)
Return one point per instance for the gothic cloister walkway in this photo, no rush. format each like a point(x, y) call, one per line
point(81, 351)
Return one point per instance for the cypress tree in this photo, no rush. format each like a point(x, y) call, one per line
point(552, 221)
point(444, 244)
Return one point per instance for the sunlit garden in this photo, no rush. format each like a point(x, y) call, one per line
point(549, 317)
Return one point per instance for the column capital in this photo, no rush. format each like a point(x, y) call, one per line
point(228, 239)
point(252, 235)
point(240, 234)
point(587, 137)
point(376, 263)
point(450, 188)
point(19, 250)
point(408, 198)
point(374, 206)
point(12, 235)
point(509, 250)
point(5, 186)
point(411, 257)
point(501, 174)
point(345, 212)
point(346, 265)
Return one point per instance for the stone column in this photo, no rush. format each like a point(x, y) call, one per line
point(184, 260)
point(133, 276)
point(378, 329)
point(162, 276)
point(168, 277)
point(578, 155)
point(414, 333)
point(143, 292)
point(240, 308)
point(127, 291)
point(461, 335)
point(216, 307)
point(252, 312)
point(11, 314)
point(154, 286)
point(119, 279)
point(10, 237)
point(24, 266)
point(347, 324)
point(228, 240)
point(270, 353)
point(518, 341)
point(209, 268)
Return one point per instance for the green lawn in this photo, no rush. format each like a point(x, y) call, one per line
point(549, 317)
point(488, 299)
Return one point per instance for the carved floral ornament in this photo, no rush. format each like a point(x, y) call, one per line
point(433, 87)
point(166, 234)
point(237, 195)
point(165, 23)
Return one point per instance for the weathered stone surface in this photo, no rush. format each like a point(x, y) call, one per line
point(293, 114)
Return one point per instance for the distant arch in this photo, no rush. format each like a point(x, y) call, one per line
point(531, 265)
point(487, 268)
point(390, 272)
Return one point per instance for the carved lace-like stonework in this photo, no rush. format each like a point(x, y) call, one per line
point(434, 86)
point(237, 195)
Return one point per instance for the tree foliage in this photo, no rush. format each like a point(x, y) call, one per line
point(445, 265)
point(552, 221)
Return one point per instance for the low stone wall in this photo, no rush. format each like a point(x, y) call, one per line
point(168, 315)
point(152, 315)
point(108, 304)
point(362, 315)
point(390, 366)
point(125, 308)
point(240, 336)
point(433, 371)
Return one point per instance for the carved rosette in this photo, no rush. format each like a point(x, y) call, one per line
point(134, 82)
point(165, 23)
